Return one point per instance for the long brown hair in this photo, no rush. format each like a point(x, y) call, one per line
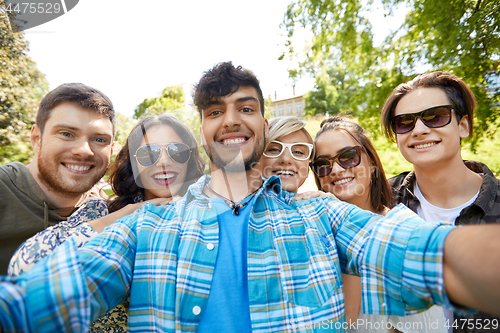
point(380, 191)
point(127, 186)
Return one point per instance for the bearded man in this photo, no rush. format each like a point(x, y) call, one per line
point(73, 141)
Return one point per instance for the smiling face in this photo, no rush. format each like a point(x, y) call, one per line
point(73, 152)
point(292, 172)
point(427, 147)
point(234, 131)
point(166, 177)
point(349, 185)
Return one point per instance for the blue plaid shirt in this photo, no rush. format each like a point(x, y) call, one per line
point(165, 257)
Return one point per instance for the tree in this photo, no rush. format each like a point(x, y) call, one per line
point(460, 36)
point(171, 98)
point(22, 86)
point(333, 93)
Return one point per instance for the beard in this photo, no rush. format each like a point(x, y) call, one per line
point(231, 160)
point(67, 187)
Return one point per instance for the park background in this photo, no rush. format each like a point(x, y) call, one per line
point(343, 56)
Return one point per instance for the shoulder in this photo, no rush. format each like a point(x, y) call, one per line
point(13, 171)
point(400, 180)
point(91, 209)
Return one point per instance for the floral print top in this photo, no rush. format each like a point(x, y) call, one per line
point(76, 227)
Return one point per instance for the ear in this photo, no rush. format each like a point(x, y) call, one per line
point(464, 127)
point(266, 129)
point(112, 147)
point(36, 138)
point(202, 136)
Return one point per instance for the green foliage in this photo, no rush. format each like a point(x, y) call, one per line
point(22, 86)
point(460, 36)
point(171, 98)
point(268, 111)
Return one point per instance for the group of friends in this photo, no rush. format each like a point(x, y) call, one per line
point(239, 250)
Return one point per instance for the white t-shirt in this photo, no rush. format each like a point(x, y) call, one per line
point(431, 213)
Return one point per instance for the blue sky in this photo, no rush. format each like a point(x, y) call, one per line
point(132, 50)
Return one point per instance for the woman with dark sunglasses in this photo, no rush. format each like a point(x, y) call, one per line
point(157, 164)
point(347, 165)
point(428, 117)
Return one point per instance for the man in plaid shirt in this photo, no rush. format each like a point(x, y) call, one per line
point(238, 254)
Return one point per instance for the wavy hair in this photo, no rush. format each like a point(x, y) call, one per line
point(123, 182)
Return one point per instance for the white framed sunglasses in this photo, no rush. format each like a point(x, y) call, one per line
point(300, 150)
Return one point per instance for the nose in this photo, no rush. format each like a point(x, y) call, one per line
point(286, 157)
point(82, 149)
point(231, 118)
point(420, 128)
point(164, 159)
point(336, 169)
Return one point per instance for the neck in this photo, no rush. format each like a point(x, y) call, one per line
point(448, 187)
point(56, 199)
point(235, 186)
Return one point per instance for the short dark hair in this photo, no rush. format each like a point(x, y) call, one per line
point(455, 89)
point(380, 192)
point(122, 179)
point(84, 96)
point(222, 80)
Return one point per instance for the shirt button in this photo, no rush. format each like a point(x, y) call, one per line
point(210, 246)
point(196, 310)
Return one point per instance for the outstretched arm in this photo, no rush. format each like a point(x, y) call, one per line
point(472, 267)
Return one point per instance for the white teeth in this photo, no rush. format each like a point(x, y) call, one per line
point(426, 145)
point(233, 141)
point(343, 181)
point(285, 173)
point(77, 167)
point(164, 176)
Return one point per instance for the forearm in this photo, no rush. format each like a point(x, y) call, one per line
point(472, 267)
point(103, 222)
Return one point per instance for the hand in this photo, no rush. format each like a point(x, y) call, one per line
point(313, 194)
point(103, 222)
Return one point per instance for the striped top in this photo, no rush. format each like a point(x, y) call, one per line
point(164, 257)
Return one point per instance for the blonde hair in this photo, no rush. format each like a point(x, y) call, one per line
point(284, 125)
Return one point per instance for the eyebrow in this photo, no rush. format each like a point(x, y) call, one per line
point(76, 129)
point(247, 98)
point(331, 156)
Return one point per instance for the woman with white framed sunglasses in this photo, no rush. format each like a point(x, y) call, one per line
point(157, 164)
point(287, 153)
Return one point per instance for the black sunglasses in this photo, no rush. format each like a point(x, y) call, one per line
point(434, 117)
point(149, 155)
point(348, 158)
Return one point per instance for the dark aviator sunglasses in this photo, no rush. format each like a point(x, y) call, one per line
point(148, 155)
point(348, 158)
point(438, 116)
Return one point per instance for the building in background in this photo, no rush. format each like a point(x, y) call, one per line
point(293, 106)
